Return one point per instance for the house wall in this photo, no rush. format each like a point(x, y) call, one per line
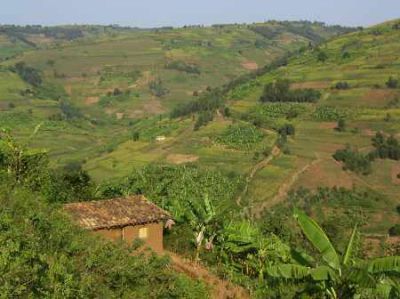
point(112, 234)
point(129, 233)
point(154, 235)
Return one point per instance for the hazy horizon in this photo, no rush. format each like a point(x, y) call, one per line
point(157, 13)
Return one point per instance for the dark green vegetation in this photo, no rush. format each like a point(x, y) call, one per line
point(279, 91)
point(386, 148)
point(45, 256)
point(353, 160)
point(230, 131)
point(336, 276)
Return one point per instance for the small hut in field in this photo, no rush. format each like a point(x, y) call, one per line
point(124, 219)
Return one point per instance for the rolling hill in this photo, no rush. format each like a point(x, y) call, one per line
point(364, 60)
point(111, 87)
point(230, 128)
point(99, 81)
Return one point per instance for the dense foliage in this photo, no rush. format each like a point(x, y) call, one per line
point(241, 136)
point(342, 85)
point(280, 91)
point(274, 115)
point(330, 113)
point(28, 74)
point(209, 102)
point(392, 82)
point(386, 147)
point(203, 119)
point(157, 88)
point(331, 275)
point(44, 256)
point(353, 160)
point(183, 67)
point(175, 188)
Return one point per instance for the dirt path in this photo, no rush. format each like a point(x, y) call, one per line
point(283, 190)
point(220, 289)
point(275, 152)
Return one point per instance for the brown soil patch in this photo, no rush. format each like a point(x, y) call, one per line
point(377, 94)
point(153, 106)
point(368, 132)
point(136, 113)
point(221, 289)
point(119, 115)
point(144, 80)
point(109, 111)
point(328, 125)
point(372, 246)
point(393, 240)
point(395, 173)
point(311, 84)
point(181, 159)
point(91, 100)
point(250, 65)
point(327, 174)
point(68, 89)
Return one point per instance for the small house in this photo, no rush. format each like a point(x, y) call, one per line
point(124, 219)
point(161, 138)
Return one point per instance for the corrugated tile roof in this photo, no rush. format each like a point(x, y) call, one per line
point(119, 212)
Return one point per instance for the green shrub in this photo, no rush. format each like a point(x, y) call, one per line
point(395, 230)
point(287, 130)
point(157, 88)
point(183, 67)
point(329, 113)
point(386, 148)
point(353, 160)
point(240, 136)
point(392, 82)
point(203, 119)
point(28, 74)
point(342, 85)
point(279, 91)
point(341, 125)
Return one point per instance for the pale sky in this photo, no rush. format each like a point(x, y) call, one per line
point(155, 13)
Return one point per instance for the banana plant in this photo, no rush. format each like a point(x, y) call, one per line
point(202, 216)
point(339, 276)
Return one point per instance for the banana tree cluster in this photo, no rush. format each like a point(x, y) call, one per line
point(338, 276)
point(247, 250)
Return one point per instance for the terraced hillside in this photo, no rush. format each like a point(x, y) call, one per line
point(356, 75)
point(97, 82)
point(246, 140)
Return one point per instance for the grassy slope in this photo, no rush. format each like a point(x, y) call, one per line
point(77, 66)
point(373, 57)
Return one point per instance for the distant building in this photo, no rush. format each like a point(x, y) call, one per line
point(123, 219)
point(160, 138)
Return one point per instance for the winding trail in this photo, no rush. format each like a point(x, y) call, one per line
point(258, 209)
point(262, 164)
point(220, 289)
